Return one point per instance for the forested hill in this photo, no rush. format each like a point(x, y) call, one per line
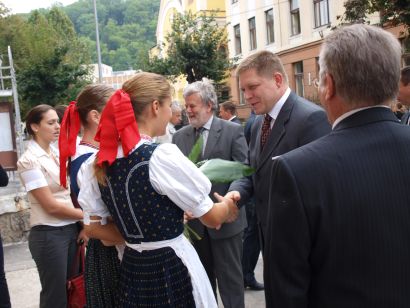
point(127, 29)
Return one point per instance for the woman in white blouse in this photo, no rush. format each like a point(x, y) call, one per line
point(54, 233)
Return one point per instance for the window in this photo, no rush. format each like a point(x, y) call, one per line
point(321, 8)
point(237, 34)
point(294, 17)
point(298, 69)
point(270, 36)
point(242, 100)
point(252, 33)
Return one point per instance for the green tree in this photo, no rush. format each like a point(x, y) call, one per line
point(196, 48)
point(127, 29)
point(49, 58)
point(393, 12)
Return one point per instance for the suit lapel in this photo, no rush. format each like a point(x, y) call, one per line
point(277, 133)
point(213, 136)
point(190, 140)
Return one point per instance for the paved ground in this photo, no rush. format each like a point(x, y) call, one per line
point(24, 285)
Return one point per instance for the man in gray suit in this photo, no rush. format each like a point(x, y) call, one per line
point(227, 111)
point(284, 122)
point(219, 250)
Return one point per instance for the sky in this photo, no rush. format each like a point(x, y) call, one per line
point(25, 6)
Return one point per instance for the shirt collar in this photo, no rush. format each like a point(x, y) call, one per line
point(231, 118)
point(38, 151)
point(208, 124)
point(278, 106)
point(351, 112)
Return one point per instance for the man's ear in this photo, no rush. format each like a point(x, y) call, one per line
point(278, 78)
point(330, 86)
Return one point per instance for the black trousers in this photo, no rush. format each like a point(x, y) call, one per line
point(251, 244)
point(53, 250)
point(4, 291)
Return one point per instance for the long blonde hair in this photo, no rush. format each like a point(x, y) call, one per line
point(143, 89)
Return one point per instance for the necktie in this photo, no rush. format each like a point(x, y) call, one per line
point(198, 133)
point(265, 129)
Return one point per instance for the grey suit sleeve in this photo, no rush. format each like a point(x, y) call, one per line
point(316, 126)
point(287, 243)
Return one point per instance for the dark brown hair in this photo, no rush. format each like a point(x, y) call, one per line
point(35, 115)
point(405, 75)
point(92, 97)
point(228, 106)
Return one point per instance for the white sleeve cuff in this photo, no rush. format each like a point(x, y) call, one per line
point(204, 207)
point(87, 219)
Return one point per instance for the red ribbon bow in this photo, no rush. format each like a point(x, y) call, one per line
point(67, 141)
point(117, 123)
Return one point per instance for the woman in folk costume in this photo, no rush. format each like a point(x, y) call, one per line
point(146, 188)
point(102, 263)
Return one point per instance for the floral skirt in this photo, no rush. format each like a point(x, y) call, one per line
point(154, 278)
point(102, 272)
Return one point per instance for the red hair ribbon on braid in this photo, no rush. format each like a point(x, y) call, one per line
point(117, 123)
point(70, 127)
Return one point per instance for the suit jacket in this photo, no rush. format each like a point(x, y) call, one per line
point(226, 141)
point(405, 118)
point(236, 120)
point(340, 237)
point(299, 122)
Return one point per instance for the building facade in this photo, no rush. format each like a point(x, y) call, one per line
point(293, 29)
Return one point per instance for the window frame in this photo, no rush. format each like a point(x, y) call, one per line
point(298, 75)
point(270, 27)
point(294, 12)
point(237, 39)
point(252, 34)
point(318, 13)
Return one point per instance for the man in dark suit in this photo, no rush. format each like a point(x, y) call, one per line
point(227, 111)
point(404, 93)
point(340, 235)
point(219, 250)
point(284, 122)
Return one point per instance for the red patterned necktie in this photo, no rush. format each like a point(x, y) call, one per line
point(265, 129)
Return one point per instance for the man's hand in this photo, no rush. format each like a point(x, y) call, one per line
point(231, 204)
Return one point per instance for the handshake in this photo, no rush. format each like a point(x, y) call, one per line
point(225, 210)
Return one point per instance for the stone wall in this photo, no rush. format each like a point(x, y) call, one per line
point(14, 213)
point(15, 226)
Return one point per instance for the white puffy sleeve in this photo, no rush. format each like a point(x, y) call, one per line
point(174, 175)
point(89, 197)
point(30, 172)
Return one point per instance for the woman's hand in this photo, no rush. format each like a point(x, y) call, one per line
point(82, 238)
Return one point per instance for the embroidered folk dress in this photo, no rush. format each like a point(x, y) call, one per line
point(146, 194)
point(102, 265)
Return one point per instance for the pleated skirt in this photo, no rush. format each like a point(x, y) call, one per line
point(154, 278)
point(102, 273)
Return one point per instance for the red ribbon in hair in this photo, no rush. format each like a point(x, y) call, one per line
point(117, 123)
point(67, 141)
